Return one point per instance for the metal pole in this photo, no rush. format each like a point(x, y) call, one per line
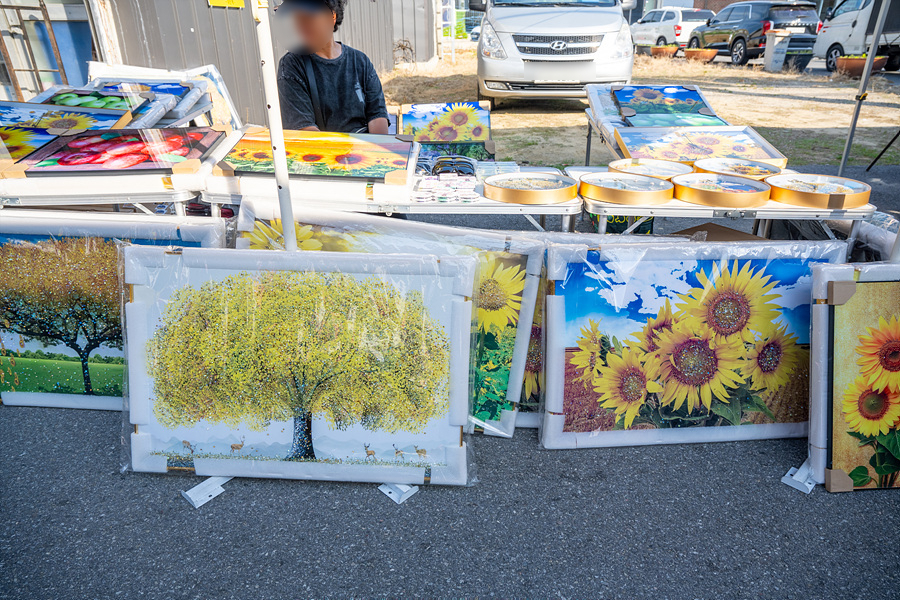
point(273, 112)
point(864, 81)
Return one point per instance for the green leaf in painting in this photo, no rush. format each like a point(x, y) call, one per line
point(891, 441)
point(860, 476)
point(490, 341)
point(50, 162)
point(755, 403)
point(171, 158)
point(730, 411)
point(884, 463)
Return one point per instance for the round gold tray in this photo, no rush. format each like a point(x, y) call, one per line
point(723, 191)
point(625, 188)
point(650, 167)
point(819, 191)
point(503, 188)
point(737, 167)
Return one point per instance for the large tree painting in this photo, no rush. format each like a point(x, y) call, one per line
point(281, 346)
point(62, 292)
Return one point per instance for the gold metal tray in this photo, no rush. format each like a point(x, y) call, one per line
point(737, 167)
point(625, 188)
point(723, 191)
point(503, 188)
point(650, 167)
point(819, 191)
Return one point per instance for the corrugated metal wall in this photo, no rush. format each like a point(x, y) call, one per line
point(414, 24)
point(179, 34)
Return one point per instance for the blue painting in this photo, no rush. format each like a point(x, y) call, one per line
point(654, 99)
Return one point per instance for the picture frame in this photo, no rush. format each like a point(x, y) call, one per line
point(609, 326)
point(687, 144)
point(446, 123)
point(47, 116)
point(635, 100)
point(96, 98)
point(317, 433)
point(72, 256)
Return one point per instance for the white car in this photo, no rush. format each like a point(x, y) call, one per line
point(670, 25)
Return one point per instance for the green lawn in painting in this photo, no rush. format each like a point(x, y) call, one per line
point(59, 377)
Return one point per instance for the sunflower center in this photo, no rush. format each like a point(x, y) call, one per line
point(64, 124)
point(770, 357)
point(728, 312)
point(348, 159)
point(873, 405)
point(632, 385)
point(491, 294)
point(695, 362)
point(889, 356)
point(459, 118)
point(312, 158)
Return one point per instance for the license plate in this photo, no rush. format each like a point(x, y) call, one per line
point(559, 71)
point(796, 29)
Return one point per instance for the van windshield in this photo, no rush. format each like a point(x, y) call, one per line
point(541, 3)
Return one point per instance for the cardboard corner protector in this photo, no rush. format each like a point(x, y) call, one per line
point(404, 137)
point(707, 111)
point(839, 292)
point(187, 167)
point(398, 177)
point(490, 147)
point(485, 105)
point(628, 112)
point(13, 171)
point(223, 169)
point(615, 88)
point(256, 130)
point(836, 480)
point(223, 127)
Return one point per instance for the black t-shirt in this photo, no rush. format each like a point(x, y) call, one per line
point(349, 91)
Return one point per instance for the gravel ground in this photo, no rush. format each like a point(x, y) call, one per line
point(679, 522)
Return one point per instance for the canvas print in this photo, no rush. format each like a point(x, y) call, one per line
point(688, 144)
point(674, 120)
point(316, 153)
point(447, 123)
point(18, 142)
point(162, 87)
point(658, 99)
point(865, 413)
point(321, 366)
point(668, 339)
point(132, 150)
point(96, 99)
point(47, 116)
point(476, 150)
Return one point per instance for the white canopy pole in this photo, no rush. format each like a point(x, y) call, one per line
point(273, 112)
point(864, 81)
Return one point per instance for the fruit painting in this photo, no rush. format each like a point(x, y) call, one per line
point(19, 142)
point(48, 116)
point(865, 413)
point(689, 144)
point(659, 99)
point(122, 150)
point(324, 154)
point(447, 123)
point(96, 99)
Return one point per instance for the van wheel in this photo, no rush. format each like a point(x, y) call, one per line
point(661, 41)
point(831, 57)
point(694, 43)
point(893, 63)
point(489, 100)
point(739, 56)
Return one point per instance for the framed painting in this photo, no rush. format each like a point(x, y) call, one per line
point(675, 120)
point(122, 150)
point(187, 93)
point(18, 142)
point(48, 116)
point(855, 404)
point(298, 365)
point(687, 144)
point(447, 123)
point(60, 331)
point(659, 99)
point(678, 343)
point(327, 155)
point(91, 98)
point(505, 290)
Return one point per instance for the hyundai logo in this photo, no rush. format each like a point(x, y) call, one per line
point(558, 45)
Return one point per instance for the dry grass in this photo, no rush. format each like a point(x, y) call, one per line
point(803, 115)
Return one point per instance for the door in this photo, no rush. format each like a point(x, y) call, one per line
point(645, 28)
point(839, 28)
point(667, 26)
point(714, 34)
point(736, 25)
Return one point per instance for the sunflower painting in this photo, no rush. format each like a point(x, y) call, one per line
point(322, 154)
point(689, 144)
point(682, 338)
point(865, 407)
point(447, 123)
point(659, 99)
point(49, 116)
point(19, 142)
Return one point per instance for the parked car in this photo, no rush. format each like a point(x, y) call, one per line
point(670, 25)
point(739, 30)
point(848, 30)
point(551, 48)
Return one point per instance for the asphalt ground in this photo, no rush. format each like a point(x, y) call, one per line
point(660, 522)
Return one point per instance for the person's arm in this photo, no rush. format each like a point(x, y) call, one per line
point(379, 125)
point(376, 111)
point(293, 92)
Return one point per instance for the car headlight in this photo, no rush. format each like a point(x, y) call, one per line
point(490, 43)
point(623, 47)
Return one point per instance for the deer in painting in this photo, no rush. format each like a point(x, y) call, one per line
point(421, 453)
point(369, 453)
point(187, 446)
point(398, 453)
point(237, 447)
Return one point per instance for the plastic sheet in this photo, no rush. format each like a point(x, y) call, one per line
point(298, 365)
point(60, 331)
point(506, 288)
point(678, 342)
point(855, 388)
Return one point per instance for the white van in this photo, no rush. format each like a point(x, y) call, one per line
point(847, 30)
point(551, 48)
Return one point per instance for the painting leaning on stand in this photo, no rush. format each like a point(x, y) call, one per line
point(327, 85)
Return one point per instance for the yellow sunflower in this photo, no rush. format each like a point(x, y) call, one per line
point(649, 336)
point(424, 135)
point(350, 160)
point(460, 115)
point(498, 294)
point(445, 133)
point(648, 95)
point(16, 141)
point(695, 366)
point(64, 120)
point(590, 347)
point(624, 383)
point(869, 411)
point(534, 365)
point(270, 236)
point(772, 359)
point(733, 304)
point(879, 355)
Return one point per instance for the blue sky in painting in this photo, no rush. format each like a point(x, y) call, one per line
point(623, 294)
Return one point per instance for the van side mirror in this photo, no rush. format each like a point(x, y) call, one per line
point(628, 4)
point(478, 5)
point(829, 14)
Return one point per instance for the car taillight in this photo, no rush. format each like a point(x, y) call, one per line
point(819, 27)
point(767, 25)
point(678, 29)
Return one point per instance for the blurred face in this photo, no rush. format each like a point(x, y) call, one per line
point(316, 29)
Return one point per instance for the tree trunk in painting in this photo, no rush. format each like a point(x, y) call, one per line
point(302, 446)
point(85, 372)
